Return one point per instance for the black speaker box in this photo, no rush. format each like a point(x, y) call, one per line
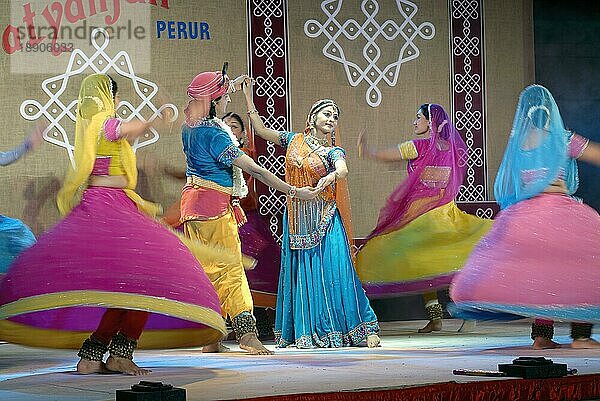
point(151, 391)
point(533, 368)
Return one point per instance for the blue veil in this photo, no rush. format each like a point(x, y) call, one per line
point(536, 154)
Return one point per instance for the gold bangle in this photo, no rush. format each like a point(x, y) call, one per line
point(252, 111)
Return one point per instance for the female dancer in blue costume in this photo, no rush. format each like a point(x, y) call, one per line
point(320, 301)
point(15, 236)
point(541, 258)
point(422, 238)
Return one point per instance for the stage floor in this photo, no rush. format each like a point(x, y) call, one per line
point(405, 359)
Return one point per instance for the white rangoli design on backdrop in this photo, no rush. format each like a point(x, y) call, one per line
point(60, 110)
point(371, 69)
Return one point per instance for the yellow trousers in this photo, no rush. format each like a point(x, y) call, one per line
point(229, 279)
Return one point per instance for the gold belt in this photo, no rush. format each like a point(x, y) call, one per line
point(201, 182)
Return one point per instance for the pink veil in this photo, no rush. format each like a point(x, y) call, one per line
point(434, 177)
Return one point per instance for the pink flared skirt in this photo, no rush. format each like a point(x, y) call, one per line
point(107, 254)
point(540, 259)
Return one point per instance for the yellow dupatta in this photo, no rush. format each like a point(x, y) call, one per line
point(95, 106)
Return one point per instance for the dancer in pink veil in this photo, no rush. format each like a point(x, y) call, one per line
point(421, 238)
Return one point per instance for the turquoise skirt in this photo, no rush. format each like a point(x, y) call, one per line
point(15, 237)
point(320, 300)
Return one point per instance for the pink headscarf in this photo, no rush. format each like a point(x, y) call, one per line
point(415, 196)
point(206, 87)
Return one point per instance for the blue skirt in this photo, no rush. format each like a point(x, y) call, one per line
point(15, 237)
point(320, 300)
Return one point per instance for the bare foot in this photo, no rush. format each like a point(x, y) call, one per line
point(585, 343)
point(126, 366)
point(86, 367)
point(544, 343)
point(252, 344)
point(432, 325)
point(213, 348)
point(373, 341)
point(467, 326)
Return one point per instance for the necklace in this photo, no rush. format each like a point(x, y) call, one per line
point(316, 145)
point(315, 141)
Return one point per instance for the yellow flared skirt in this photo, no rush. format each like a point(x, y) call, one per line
point(421, 255)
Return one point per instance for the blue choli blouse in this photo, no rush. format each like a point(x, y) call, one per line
point(209, 152)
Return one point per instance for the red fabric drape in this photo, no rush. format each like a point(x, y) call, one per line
point(584, 387)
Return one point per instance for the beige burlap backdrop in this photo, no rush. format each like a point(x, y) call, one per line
point(30, 185)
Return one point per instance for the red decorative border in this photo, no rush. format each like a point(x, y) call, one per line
point(584, 387)
point(467, 81)
point(267, 30)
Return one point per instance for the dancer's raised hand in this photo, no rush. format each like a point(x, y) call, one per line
point(362, 145)
point(35, 137)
